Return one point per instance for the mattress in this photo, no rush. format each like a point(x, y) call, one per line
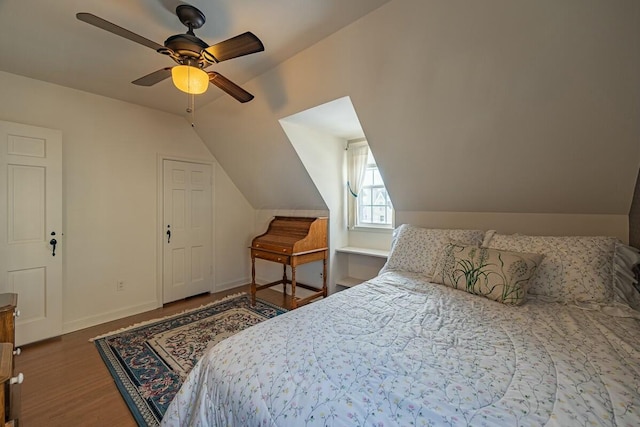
point(398, 350)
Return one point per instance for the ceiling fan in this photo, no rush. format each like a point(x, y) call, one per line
point(190, 53)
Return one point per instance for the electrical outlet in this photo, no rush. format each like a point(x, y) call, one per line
point(120, 285)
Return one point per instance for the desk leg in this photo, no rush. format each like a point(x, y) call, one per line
point(294, 304)
point(253, 281)
point(284, 279)
point(324, 276)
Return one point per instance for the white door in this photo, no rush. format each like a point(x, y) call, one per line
point(187, 229)
point(30, 214)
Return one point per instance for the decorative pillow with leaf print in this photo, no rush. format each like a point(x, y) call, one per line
point(502, 276)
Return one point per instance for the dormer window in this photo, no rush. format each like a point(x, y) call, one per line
point(368, 204)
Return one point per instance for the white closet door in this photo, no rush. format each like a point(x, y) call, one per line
point(30, 224)
point(187, 246)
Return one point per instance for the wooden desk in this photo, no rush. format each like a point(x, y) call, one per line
point(292, 241)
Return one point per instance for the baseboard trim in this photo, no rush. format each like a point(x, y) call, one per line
point(232, 284)
point(89, 321)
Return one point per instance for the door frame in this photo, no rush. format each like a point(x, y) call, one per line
point(160, 224)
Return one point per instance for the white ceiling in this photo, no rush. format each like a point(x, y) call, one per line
point(43, 40)
point(337, 118)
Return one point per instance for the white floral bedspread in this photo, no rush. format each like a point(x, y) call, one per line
point(398, 351)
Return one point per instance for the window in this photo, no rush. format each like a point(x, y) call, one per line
point(372, 206)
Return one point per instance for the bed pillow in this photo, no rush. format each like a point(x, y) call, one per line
point(574, 268)
point(502, 276)
point(625, 281)
point(416, 249)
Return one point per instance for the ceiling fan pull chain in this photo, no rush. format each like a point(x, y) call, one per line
point(191, 108)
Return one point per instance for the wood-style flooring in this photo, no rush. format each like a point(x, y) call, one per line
point(67, 384)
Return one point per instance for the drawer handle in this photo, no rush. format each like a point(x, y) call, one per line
point(279, 259)
point(17, 351)
point(18, 379)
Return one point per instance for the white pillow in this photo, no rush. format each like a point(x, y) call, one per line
point(574, 268)
point(417, 250)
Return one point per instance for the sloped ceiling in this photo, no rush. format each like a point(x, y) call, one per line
point(336, 118)
point(492, 106)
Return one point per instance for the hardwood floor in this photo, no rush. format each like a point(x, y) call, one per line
point(67, 384)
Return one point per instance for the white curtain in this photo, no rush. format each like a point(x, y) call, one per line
point(357, 154)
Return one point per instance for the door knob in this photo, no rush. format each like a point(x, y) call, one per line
point(53, 242)
point(168, 234)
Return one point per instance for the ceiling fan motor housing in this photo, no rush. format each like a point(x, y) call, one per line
point(186, 45)
point(186, 49)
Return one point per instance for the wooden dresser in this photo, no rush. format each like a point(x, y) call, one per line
point(292, 241)
point(9, 392)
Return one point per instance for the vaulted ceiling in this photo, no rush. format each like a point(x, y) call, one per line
point(492, 106)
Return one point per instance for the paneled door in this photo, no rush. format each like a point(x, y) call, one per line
point(31, 227)
point(187, 232)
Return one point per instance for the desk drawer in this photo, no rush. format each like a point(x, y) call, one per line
point(273, 247)
point(270, 256)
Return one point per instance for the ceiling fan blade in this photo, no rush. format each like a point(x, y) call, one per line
point(117, 30)
point(153, 78)
point(230, 87)
point(243, 44)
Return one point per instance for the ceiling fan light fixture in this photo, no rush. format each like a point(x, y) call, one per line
point(190, 79)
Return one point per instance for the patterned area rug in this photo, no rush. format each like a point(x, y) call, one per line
point(150, 361)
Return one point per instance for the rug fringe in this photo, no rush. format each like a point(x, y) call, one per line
point(171, 316)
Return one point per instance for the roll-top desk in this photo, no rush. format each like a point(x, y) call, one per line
point(292, 241)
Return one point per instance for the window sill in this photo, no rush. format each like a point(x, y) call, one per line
point(379, 253)
point(386, 230)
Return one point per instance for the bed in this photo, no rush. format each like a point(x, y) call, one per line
point(413, 347)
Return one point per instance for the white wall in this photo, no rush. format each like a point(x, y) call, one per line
point(110, 151)
point(234, 228)
point(323, 156)
point(534, 224)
